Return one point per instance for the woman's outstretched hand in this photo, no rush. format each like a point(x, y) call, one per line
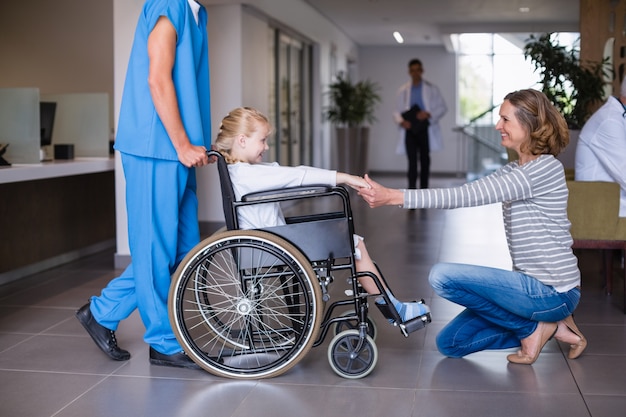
point(377, 195)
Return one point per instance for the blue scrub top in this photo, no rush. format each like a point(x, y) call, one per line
point(140, 131)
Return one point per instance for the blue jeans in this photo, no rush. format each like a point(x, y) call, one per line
point(502, 307)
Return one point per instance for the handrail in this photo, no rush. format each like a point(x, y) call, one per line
point(478, 147)
point(492, 108)
point(481, 140)
point(482, 150)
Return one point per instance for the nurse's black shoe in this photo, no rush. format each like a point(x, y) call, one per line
point(177, 360)
point(103, 337)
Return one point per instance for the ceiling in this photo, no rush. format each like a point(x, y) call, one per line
point(424, 22)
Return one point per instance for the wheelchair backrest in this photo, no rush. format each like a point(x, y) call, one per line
point(228, 193)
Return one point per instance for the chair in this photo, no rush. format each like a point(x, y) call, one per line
point(593, 210)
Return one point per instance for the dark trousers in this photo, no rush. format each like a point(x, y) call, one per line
point(417, 145)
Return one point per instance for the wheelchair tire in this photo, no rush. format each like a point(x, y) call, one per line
point(344, 358)
point(245, 304)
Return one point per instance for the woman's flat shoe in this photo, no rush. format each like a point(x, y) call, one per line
point(576, 349)
point(547, 330)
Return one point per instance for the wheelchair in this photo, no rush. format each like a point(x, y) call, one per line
point(249, 304)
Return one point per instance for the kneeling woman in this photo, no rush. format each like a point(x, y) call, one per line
point(534, 301)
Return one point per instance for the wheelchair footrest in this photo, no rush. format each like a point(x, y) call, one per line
point(406, 327)
point(414, 324)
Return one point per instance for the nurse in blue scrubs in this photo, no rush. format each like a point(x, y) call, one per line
point(163, 133)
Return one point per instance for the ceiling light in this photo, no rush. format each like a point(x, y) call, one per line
point(524, 9)
point(398, 37)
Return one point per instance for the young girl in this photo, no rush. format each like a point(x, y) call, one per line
point(242, 139)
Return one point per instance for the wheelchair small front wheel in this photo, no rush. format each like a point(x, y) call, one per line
point(347, 359)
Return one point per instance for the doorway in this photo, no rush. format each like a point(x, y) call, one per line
point(291, 99)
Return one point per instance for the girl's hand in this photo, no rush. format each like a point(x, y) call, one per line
point(352, 181)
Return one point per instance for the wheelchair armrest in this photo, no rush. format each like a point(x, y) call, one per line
point(317, 217)
point(286, 193)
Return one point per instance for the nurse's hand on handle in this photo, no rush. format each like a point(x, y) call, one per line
point(193, 156)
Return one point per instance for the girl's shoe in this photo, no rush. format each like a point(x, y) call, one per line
point(410, 310)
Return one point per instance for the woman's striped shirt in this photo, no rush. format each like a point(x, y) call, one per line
point(534, 207)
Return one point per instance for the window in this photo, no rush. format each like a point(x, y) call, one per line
point(490, 65)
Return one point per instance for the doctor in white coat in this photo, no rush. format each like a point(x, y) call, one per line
point(601, 149)
point(428, 108)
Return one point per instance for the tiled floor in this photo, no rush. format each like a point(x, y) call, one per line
point(50, 367)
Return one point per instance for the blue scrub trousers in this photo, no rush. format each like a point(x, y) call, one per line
point(162, 209)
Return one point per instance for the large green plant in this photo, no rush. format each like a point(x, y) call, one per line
point(352, 104)
point(576, 88)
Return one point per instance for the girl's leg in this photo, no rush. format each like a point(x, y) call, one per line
point(364, 263)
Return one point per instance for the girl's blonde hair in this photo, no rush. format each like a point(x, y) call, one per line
point(240, 121)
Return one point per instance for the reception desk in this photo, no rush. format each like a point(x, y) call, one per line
point(54, 212)
point(55, 169)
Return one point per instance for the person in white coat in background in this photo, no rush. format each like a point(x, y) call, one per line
point(419, 107)
point(601, 149)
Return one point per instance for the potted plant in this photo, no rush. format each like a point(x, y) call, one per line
point(576, 88)
point(352, 106)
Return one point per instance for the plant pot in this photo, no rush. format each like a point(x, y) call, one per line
point(352, 149)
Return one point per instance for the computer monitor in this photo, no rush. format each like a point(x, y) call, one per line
point(47, 110)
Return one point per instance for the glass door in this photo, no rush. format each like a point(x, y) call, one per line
point(291, 100)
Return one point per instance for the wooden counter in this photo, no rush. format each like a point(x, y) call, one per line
point(52, 212)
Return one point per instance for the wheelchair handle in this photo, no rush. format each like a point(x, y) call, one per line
point(213, 152)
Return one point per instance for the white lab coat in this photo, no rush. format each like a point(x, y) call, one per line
point(433, 103)
point(601, 149)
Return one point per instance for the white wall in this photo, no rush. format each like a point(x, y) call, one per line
point(59, 47)
point(256, 53)
point(125, 16)
point(388, 66)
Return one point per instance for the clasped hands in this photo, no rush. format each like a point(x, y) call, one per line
point(377, 195)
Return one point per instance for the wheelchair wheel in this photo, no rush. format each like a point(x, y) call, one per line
point(346, 360)
point(340, 326)
point(245, 304)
